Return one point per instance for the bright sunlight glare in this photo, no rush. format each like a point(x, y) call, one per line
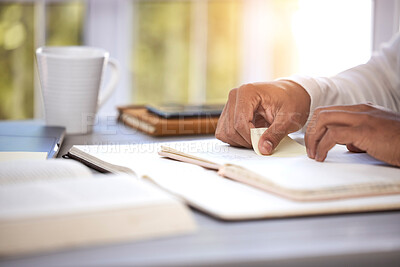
point(332, 35)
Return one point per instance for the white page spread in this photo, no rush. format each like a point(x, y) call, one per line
point(88, 194)
point(340, 168)
point(20, 171)
point(220, 196)
point(228, 199)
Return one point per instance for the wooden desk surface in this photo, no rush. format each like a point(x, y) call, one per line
point(370, 239)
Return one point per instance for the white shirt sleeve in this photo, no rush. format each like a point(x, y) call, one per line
point(377, 81)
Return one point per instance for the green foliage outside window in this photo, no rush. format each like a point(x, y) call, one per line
point(162, 52)
point(223, 48)
point(160, 57)
point(64, 24)
point(17, 50)
point(165, 52)
point(16, 60)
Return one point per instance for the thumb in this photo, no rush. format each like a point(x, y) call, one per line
point(272, 136)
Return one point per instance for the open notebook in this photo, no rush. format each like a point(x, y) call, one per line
point(227, 199)
point(343, 175)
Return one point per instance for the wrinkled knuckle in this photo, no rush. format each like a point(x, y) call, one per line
point(247, 87)
point(220, 134)
point(238, 125)
point(322, 116)
point(311, 128)
point(232, 93)
point(281, 128)
point(219, 129)
point(318, 110)
point(230, 133)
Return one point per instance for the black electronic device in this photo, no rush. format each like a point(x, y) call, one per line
point(181, 111)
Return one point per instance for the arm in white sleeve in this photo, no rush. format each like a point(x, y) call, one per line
point(377, 81)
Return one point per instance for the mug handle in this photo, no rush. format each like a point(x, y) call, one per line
point(112, 84)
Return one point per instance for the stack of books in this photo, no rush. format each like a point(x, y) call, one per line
point(138, 117)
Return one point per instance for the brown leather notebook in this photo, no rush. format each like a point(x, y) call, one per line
point(139, 118)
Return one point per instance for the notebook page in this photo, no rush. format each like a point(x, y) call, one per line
point(140, 158)
point(231, 200)
point(67, 196)
point(20, 171)
point(341, 168)
point(217, 195)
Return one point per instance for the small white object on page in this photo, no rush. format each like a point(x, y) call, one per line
point(286, 148)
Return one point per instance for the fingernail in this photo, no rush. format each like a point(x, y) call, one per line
point(266, 148)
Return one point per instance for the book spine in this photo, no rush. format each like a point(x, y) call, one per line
point(138, 124)
point(169, 127)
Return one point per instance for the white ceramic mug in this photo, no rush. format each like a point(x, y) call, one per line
point(70, 78)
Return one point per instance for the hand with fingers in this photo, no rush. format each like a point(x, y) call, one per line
point(283, 106)
point(362, 128)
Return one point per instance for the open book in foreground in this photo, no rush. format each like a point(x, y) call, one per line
point(54, 204)
point(258, 186)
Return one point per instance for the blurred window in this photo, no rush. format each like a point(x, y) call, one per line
point(332, 35)
point(185, 51)
point(19, 31)
point(196, 51)
point(16, 60)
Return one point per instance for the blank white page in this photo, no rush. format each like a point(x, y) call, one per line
point(340, 168)
point(220, 196)
point(230, 200)
point(72, 196)
point(21, 171)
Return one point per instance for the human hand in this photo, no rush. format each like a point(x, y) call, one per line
point(364, 127)
point(283, 106)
